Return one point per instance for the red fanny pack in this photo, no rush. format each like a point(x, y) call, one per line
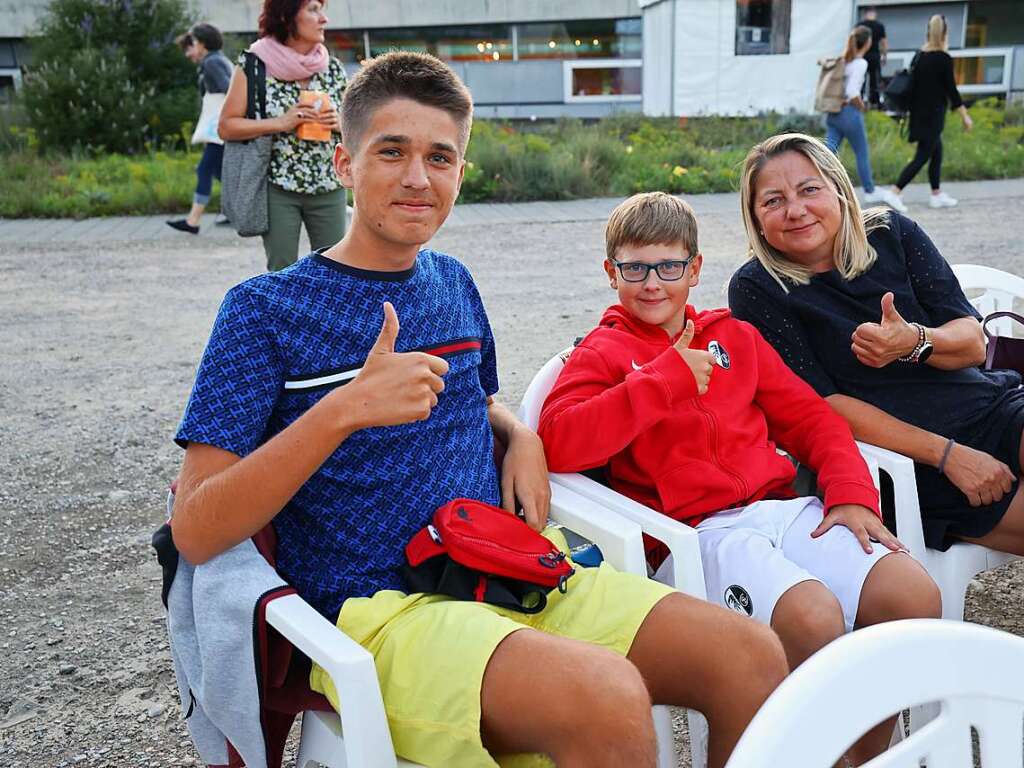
point(475, 551)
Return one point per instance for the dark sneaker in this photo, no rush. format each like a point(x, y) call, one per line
point(183, 226)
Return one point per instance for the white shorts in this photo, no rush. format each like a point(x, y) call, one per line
point(753, 555)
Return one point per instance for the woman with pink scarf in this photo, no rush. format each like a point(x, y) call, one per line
point(302, 186)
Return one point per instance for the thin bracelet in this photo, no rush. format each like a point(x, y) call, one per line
point(945, 455)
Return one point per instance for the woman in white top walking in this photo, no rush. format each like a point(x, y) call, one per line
point(848, 123)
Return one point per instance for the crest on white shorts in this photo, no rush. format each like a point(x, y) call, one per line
point(737, 599)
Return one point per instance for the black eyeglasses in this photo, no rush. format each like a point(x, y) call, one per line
point(638, 271)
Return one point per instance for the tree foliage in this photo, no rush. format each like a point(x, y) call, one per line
point(108, 76)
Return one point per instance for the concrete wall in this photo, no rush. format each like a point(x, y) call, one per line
point(711, 79)
point(880, 3)
point(18, 18)
point(359, 14)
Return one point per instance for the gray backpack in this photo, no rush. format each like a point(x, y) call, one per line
point(243, 185)
point(830, 93)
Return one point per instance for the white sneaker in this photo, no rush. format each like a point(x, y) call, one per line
point(942, 200)
point(888, 197)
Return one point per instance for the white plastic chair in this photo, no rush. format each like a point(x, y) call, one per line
point(952, 570)
point(998, 290)
point(360, 738)
point(680, 539)
point(975, 674)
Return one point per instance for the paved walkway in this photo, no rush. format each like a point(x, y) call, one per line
point(120, 228)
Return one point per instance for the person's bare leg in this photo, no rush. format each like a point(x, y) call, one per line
point(1008, 535)
point(694, 654)
point(807, 618)
point(579, 703)
point(916, 598)
point(195, 214)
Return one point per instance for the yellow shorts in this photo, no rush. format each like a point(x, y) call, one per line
point(431, 652)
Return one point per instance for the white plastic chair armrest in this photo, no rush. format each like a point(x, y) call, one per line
point(680, 539)
point(907, 507)
point(351, 669)
point(620, 540)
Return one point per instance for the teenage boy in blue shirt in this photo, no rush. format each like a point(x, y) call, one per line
point(347, 433)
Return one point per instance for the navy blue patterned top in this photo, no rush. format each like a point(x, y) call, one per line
point(812, 326)
point(282, 341)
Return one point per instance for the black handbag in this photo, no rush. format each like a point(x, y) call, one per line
point(899, 93)
point(1003, 352)
point(243, 185)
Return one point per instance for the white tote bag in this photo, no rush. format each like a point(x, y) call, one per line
point(206, 127)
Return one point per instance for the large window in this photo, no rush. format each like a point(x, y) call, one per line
point(593, 39)
point(994, 22)
point(490, 42)
point(983, 70)
point(603, 80)
point(762, 27)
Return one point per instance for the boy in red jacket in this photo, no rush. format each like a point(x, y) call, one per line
point(684, 410)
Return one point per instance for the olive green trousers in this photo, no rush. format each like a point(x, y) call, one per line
point(323, 215)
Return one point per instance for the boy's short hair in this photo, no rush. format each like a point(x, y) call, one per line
point(651, 218)
point(184, 41)
point(404, 75)
point(208, 35)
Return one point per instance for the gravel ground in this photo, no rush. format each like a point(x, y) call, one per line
point(101, 346)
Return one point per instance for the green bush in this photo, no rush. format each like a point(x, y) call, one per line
point(511, 162)
point(87, 100)
point(108, 76)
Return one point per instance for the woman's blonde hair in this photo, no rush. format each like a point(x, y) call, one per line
point(852, 254)
point(937, 36)
point(857, 39)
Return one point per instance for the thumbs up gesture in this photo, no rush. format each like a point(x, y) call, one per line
point(701, 362)
point(878, 344)
point(396, 387)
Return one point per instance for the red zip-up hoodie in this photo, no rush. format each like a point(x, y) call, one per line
point(627, 401)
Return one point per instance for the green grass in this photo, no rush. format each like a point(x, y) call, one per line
point(511, 162)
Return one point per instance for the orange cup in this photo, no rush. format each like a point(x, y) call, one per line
point(318, 101)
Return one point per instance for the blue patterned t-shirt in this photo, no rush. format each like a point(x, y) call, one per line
point(282, 341)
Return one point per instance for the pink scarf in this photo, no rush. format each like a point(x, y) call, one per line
point(285, 63)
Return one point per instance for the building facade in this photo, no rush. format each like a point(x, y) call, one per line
point(594, 58)
point(741, 57)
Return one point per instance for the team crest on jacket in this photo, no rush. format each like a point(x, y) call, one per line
point(721, 356)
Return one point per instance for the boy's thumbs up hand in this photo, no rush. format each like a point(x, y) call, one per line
point(385, 342)
point(701, 362)
point(395, 387)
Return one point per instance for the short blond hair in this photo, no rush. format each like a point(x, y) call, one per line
point(651, 218)
point(853, 255)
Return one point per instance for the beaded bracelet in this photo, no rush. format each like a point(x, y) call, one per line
point(945, 455)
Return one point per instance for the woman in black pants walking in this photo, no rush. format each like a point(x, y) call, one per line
point(934, 92)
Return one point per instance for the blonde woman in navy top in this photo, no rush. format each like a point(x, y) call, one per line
point(863, 307)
